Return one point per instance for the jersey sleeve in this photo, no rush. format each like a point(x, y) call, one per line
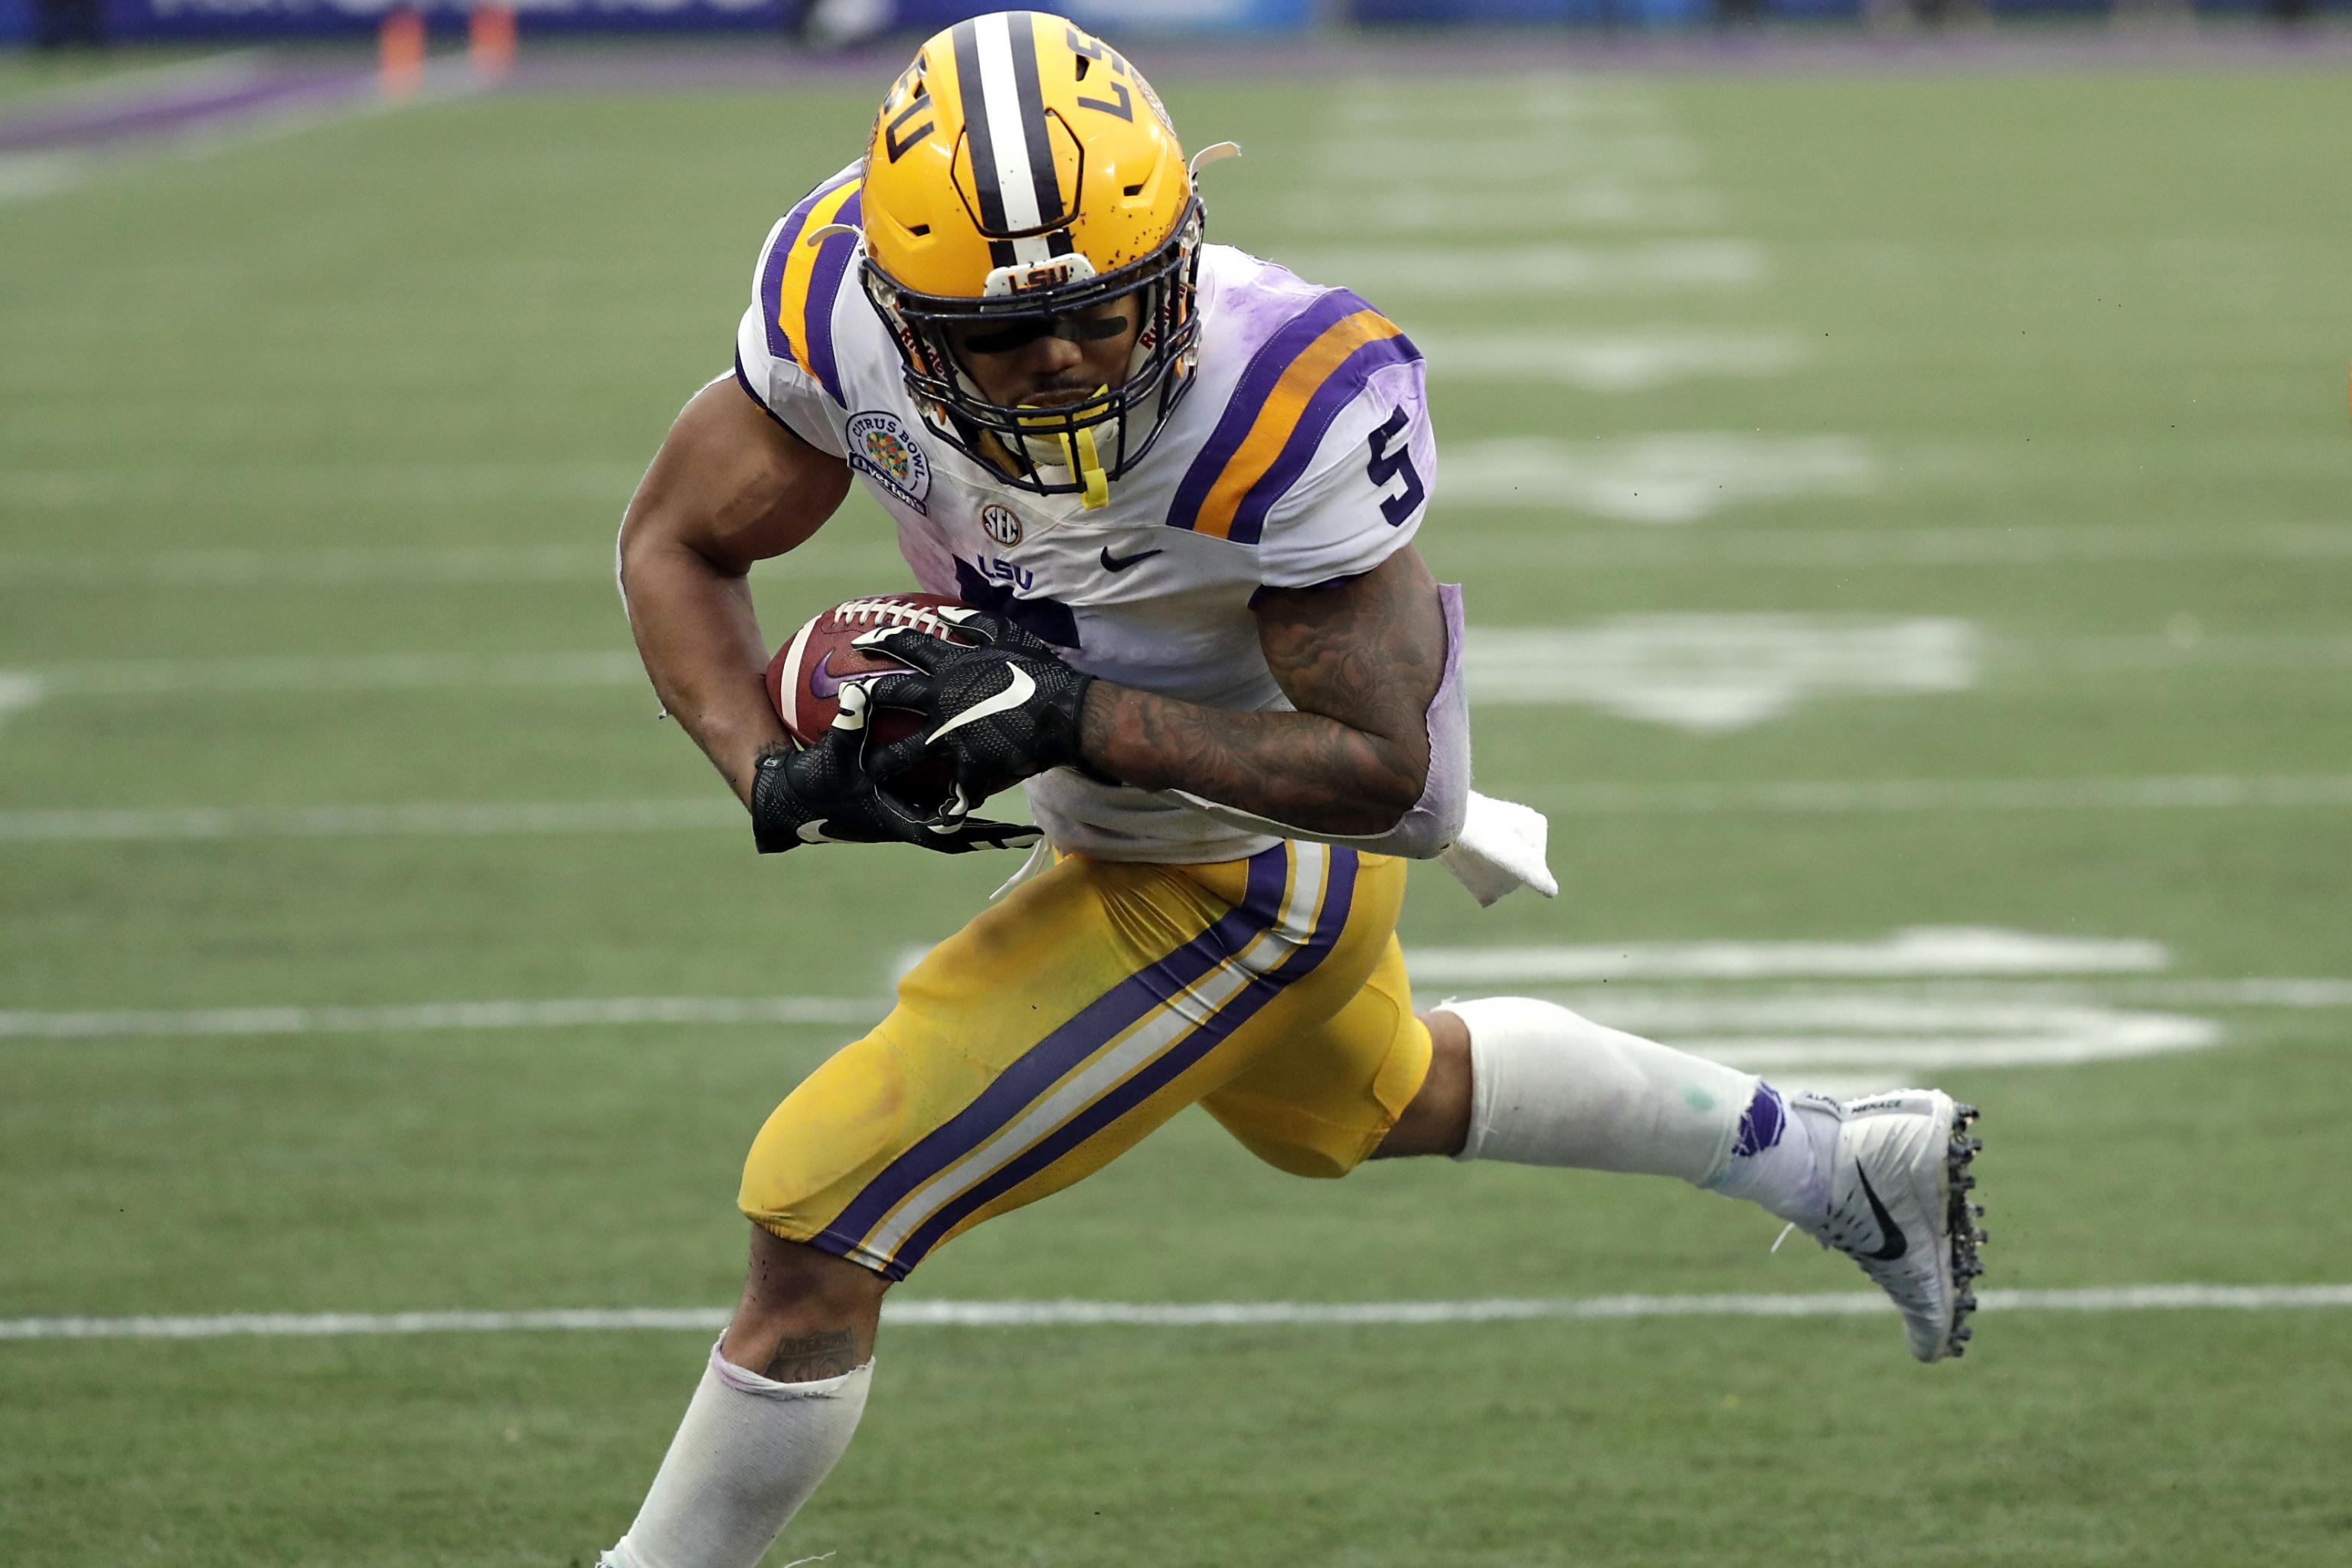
point(1363, 496)
point(784, 351)
point(1323, 459)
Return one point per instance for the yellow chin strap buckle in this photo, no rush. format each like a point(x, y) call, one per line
point(1084, 462)
point(1079, 456)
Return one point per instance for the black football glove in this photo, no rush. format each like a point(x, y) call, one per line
point(1002, 710)
point(823, 793)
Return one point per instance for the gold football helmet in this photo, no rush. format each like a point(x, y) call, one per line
point(1020, 171)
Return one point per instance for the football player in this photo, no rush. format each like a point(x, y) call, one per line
point(1178, 487)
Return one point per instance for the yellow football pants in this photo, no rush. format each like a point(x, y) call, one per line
point(1054, 1032)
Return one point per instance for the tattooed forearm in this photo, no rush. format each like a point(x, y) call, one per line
point(812, 1357)
point(1360, 662)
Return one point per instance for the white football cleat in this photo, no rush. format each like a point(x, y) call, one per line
point(1899, 1185)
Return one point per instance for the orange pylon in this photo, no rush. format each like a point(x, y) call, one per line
point(401, 54)
point(490, 40)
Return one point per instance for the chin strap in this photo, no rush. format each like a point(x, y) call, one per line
point(1083, 461)
point(1076, 450)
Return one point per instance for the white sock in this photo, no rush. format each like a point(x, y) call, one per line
point(1550, 1088)
point(746, 1455)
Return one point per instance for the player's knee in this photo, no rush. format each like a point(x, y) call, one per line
point(1437, 1120)
point(806, 1314)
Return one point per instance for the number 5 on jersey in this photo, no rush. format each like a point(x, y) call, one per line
point(1387, 465)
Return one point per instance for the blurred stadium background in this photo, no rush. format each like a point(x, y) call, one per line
point(1900, 479)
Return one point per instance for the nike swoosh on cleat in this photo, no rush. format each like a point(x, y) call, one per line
point(1121, 563)
point(1891, 1245)
point(1016, 692)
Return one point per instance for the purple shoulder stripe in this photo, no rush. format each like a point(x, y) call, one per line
point(1343, 387)
point(771, 265)
point(832, 267)
point(1257, 383)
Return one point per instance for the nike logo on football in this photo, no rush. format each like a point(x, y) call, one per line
point(1891, 1244)
point(823, 682)
point(1016, 693)
point(1121, 563)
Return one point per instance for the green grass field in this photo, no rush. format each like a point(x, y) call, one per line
point(312, 458)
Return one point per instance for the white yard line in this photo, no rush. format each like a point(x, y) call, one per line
point(1671, 478)
point(1839, 797)
point(426, 820)
point(1918, 951)
point(1185, 1314)
point(332, 485)
point(438, 1017)
point(1827, 797)
point(18, 692)
point(1579, 201)
point(1409, 108)
point(1607, 361)
point(1520, 550)
point(1509, 664)
point(250, 568)
point(1518, 270)
point(1430, 969)
point(339, 672)
point(1845, 549)
point(1501, 164)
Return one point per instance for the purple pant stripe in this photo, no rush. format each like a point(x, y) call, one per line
point(1160, 1071)
point(1256, 385)
point(1044, 1064)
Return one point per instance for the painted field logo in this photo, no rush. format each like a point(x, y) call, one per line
point(880, 446)
point(1714, 673)
point(1001, 523)
point(1857, 1016)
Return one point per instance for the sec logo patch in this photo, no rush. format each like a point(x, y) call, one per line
point(882, 446)
point(1001, 523)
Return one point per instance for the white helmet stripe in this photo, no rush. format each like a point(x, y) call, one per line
point(1008, 138)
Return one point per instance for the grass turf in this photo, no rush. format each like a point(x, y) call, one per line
point(2050, 302)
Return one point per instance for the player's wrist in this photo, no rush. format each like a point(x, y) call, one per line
point(777, 810)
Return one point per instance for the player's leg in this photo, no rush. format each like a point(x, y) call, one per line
point(1532, 1083)
point(778, 1403)
point(1052, 1034)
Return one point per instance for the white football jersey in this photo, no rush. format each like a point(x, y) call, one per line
point(1302, 453)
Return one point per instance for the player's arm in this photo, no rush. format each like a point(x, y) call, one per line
point(1364, 661)
point(730, 486)
point(1361, 661)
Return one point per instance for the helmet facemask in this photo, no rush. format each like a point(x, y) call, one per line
point(1070, 449)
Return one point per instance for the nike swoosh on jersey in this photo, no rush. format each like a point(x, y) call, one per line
point(1890, 1243)
point(1016, 693)
point(1121, 563)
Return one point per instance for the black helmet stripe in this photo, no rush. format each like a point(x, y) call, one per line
point(1031, 99)
point(985, 189)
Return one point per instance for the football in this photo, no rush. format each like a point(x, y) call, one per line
point(806, 678)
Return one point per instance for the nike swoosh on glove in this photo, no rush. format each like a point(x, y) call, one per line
point(1002, 710)
point(825, 794)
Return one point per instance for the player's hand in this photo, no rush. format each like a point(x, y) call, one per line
point(823, 793)
point(1002, 710)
